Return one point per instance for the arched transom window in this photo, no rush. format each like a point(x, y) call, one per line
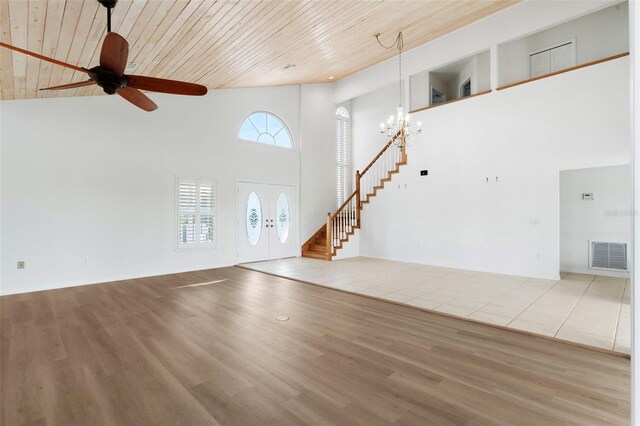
point(266, 128)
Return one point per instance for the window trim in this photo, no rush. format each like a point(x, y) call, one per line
point(284, 125)
point(185, 247)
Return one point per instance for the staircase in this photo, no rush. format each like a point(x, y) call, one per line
point(332, 236)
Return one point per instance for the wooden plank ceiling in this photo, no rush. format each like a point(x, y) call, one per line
point(221, 44)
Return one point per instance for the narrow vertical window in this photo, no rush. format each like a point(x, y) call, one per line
point(343, 155)
point(196, 205)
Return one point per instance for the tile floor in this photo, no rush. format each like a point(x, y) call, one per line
point(588, 309)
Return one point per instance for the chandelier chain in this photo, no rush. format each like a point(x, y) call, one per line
point(398, 43)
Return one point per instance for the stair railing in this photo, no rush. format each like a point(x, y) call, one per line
point(341, 224)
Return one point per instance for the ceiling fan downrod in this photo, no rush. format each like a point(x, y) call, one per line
point(109, 4)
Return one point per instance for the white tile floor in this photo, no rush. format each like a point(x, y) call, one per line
point(588, 309)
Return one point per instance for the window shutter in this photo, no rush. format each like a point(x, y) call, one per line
point(187, 212)
point(196, 201)
point(207, 211)
point(343, 156)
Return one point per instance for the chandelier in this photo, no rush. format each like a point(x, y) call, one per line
point(401, 122)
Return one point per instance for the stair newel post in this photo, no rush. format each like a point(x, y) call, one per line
point(329, 236)
point(403, 145)
point(358, 198)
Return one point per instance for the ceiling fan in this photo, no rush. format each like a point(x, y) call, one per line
point(109, 75)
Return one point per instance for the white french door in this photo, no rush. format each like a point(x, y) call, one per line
point(266, 222)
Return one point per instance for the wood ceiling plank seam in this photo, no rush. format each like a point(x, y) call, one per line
point(303, 40)
point(157, 35)
point(195, 45)
point(169, 47)
point(181, 39)
point(35, 32)
point(87, 18)
point(6, 56)
point(70, 20)
point(328, 35)
point(201, 39)
point(191, 11)
point(52, 25)
point(143, 19)
point(131, 17)
point(187, 39)
point(135, 46)
point(91, 52)
point(252, 37)
point(193, 64)
point(232, 40)
point(274, 55)
point(277, 38)
point(239, 28)
point(18, 15)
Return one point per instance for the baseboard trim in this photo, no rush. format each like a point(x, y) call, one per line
point(108, 279)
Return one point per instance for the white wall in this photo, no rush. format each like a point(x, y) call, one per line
point(454, 217)
point(597, 35)
point(95, 177)
point(483, 74)
point(606, 218)
point(367, 113)
point(318, 166)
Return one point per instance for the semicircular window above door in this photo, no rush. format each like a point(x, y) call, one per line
point(284, 218)
point(253, 219)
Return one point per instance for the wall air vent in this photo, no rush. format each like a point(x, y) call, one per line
point(608, 256)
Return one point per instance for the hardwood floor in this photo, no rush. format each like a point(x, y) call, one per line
point(160, 351)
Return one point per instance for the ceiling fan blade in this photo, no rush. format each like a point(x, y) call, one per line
point(137, 98)
point(45, 58)
point(162, 85)
point(114, 53)
point(71, 85)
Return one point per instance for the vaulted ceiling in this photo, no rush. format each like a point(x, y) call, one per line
point(221, 44)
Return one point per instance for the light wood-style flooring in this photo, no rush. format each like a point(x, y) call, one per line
point(205, 348)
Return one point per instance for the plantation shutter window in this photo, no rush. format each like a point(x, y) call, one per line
point(196, 202)
point(343, 155)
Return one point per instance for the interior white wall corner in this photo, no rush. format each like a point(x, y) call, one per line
point(634, 49)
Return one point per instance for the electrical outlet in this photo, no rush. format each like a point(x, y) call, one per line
point(21, 264)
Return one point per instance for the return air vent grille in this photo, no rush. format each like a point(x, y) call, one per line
point(609, 255)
